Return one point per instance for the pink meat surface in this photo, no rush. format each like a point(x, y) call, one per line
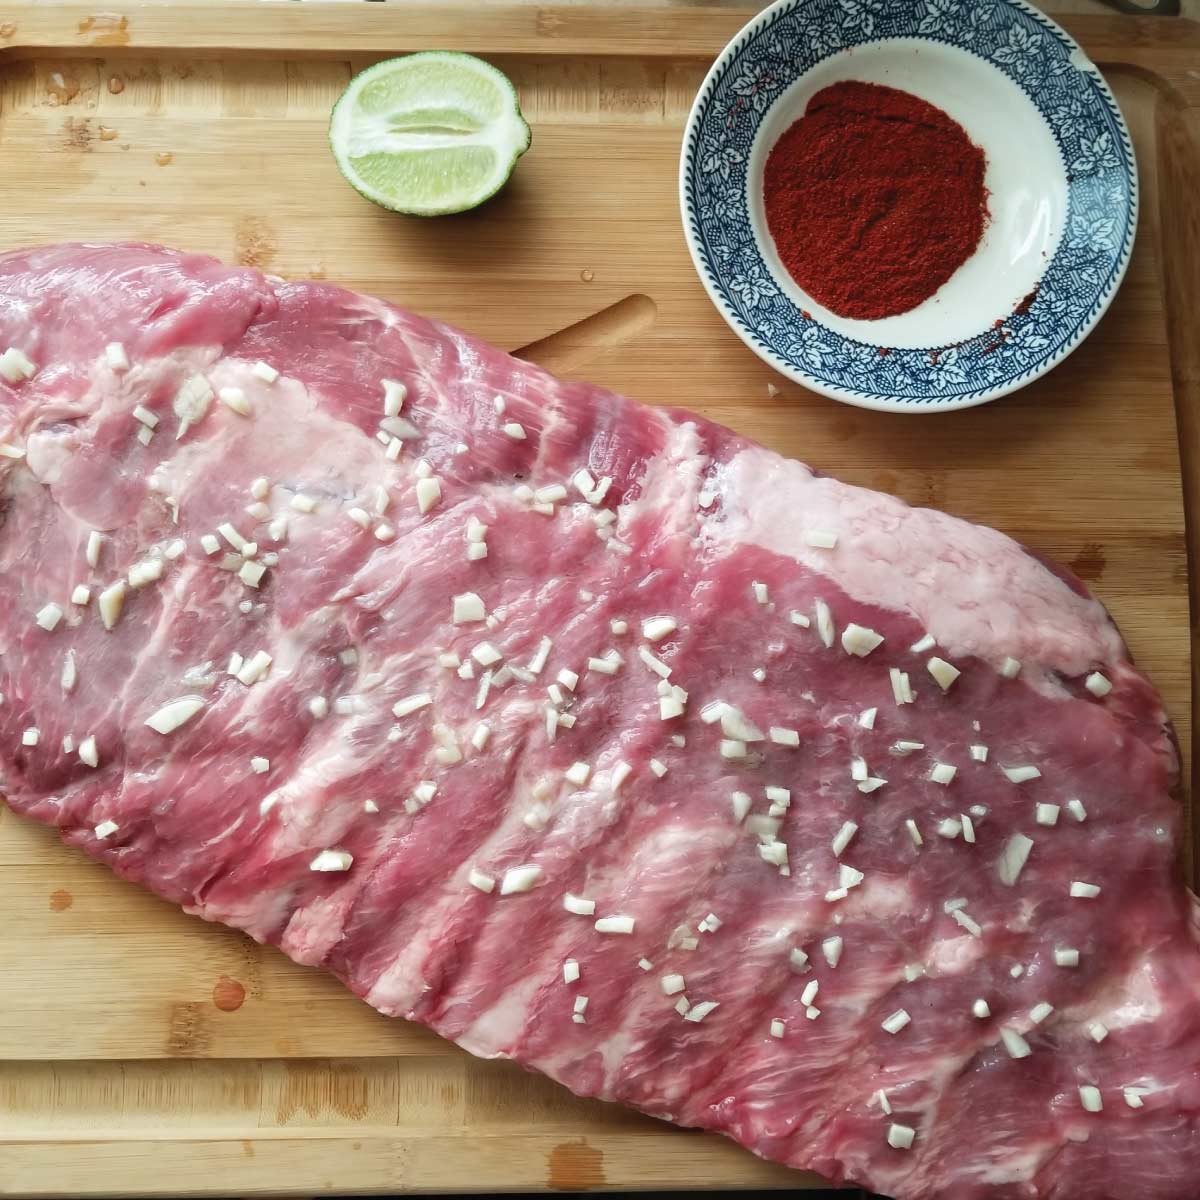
point(802, 913)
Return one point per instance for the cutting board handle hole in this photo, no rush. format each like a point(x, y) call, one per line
point(577, 344)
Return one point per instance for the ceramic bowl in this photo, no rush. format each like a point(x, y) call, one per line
point(1060, 172)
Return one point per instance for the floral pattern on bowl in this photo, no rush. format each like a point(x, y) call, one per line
point(790, 39)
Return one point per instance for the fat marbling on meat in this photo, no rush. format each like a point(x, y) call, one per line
point(592, 736)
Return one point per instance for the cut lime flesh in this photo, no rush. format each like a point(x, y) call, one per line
point(428, 134)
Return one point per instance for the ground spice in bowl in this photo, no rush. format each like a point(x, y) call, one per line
point(874, 199)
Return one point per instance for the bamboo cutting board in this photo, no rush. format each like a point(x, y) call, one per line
point(144, 1051)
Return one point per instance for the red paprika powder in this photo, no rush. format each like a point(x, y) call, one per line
point(874, 199)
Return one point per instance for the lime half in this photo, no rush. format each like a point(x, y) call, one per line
point(431, 133)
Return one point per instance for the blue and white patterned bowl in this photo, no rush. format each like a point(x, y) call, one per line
point(1061, 176)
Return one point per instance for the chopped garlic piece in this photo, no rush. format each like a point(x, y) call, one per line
point(520, 879)
point(251, 573)
point(1021, 774)
point(1066, 956)
point(618, 924)
point(1076, 809)
point(824, 623)
point(860, 641)
point(942, 773)
point(698, 1012)
point(896, 1022)
point(777, 1028)
point(654, 629)
point(844, 837)
point(963, 918)
point(255, 668)
point(48, 617)
point(171, 716)
point(394, 395)
point(949, 828)
point(672, 985)
point(332, 860)
point(655, 663)
point(979, 753)
point(191, 403)
point(981, 1009)
point(578, 774)
point(902, 691)
point(235, 399)
point(467, 608)
point(428, 492)
point(821, 539)
point(264, 371)
point(1046, 814)
point(486, 655)
point(411, 704)
point(15, 366)
point(900, 1137)
point(799, 618)
point(1013, 858)
point(943, 672)
point(106, 829)
point(1098, 685)
point(741, 805)
point(1014, 1043)
point(831, 948)
point(31, 736)
point(1084, 891)
point(260, 765)
point(784, 737)
point(514, 430)
point(477, 879)
point(914, 832)
point(115, 357)
point(111, 602)
point(1091, 1099)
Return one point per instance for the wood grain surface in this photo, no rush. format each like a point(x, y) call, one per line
point(144, 1051)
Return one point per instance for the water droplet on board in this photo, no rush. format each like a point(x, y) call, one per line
point(587, 276)
point(116, 85)
point(228, 995)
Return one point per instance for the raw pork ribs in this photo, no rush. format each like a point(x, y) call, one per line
point(592, 736)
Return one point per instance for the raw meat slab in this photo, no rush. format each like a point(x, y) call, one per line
point(788, 976)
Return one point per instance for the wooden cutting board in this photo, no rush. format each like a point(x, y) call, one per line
point(144, 1051)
